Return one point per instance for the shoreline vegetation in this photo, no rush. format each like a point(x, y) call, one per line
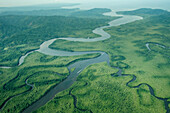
point(97, 88)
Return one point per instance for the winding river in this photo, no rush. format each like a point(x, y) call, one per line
point(157, 44)
point(81, 65)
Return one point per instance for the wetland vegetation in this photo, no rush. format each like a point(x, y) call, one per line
point(99, 87)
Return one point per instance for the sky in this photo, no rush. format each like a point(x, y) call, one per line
point(113, 4)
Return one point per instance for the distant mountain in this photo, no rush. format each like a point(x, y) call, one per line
point(144, 12)
point(51, 12)
point(36, 7)
point(92, 13)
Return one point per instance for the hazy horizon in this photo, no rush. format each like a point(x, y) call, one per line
point(86, 4)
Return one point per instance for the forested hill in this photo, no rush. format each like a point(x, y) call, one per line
point(92, 13)
point(96, 12)
point(145, 12)
point(156, 19)
point(20, 34)
point(50, 12)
